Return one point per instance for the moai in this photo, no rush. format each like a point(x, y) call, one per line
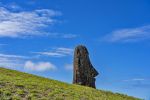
point(84, 72)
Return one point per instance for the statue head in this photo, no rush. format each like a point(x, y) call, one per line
point(84, 72)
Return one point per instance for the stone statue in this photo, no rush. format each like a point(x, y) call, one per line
point(84, 72)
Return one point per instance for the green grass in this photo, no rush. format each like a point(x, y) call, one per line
point(16, 85)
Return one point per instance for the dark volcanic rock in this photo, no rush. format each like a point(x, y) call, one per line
point(84, 72)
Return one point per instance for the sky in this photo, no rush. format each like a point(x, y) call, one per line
point(39, 37)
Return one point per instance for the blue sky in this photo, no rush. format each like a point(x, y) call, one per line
point(39, 36)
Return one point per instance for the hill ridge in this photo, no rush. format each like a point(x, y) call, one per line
point(15, 85)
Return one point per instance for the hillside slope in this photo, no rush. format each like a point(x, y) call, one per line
point(16, 85)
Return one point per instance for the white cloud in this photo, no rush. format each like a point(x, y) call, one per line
point(57, 52)
point(129, 34)
point(64, 50)
point(40, 66)
point(134, 79)
point(19, 62)
point(54, 54)
point(13, 6)
point(15, 22)
point(2, 44)
point(69, 36)
point(69, 67)
point(63, 35)
point(12, 56)
point(11, 61)
point(25, 23)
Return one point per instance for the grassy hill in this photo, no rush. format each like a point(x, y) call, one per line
point(16, 85)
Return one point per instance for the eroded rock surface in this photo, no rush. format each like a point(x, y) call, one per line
point(84, 72)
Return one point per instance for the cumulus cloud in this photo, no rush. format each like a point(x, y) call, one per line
point(18, 62)
point(57, 52)
point(25, 23)
point(40, 66)
point(129, 34)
